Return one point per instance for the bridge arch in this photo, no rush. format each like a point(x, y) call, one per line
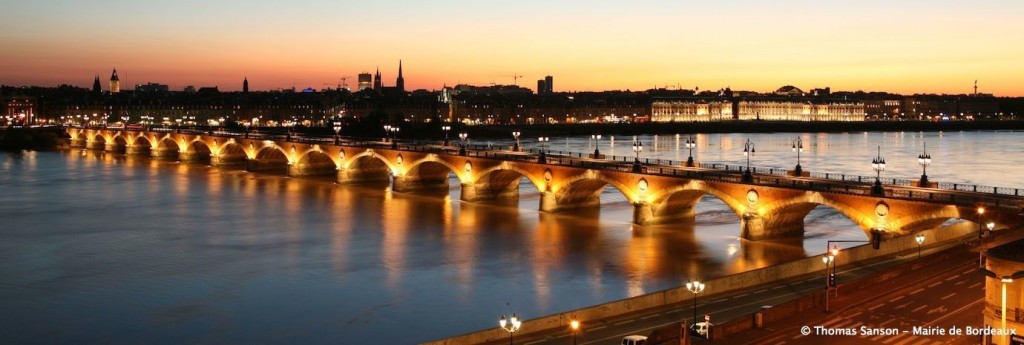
point(678, 202)
point(269, 158)
point(927, 220)
point(196, 151)
point(583, 190)
point(313, 162)
point(499, 182)
point(366, 166)
point(141, 141)
point(786, 216)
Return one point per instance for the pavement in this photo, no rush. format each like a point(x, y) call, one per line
point(721, 307)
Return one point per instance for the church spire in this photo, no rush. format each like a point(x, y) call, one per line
point(115, 82)
point(400, 83)
point(245, 85)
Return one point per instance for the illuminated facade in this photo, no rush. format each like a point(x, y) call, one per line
point(20, 111)
point(690, 111)
point(793, 110)
point(115, 82)
point(1004, 290)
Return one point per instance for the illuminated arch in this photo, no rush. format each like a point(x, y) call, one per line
point(369, 161)
point(791, 210)
point(433, 168)
point(685, 197)
point(272, 153)
point(507, 175)
point(585, 189)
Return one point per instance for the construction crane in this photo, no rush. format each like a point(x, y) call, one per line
point(515, 78)
point(343, 83)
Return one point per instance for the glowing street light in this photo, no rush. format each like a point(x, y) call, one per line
point(981, 240)
point(920, 240)
point(510, 325)
point(924, 159)
point(798, 147)
point(515, 135)
point(827, 260)
point(597, 145)
point(575, 326)
point(637, 148)
point(691, 143)
point(878, 164)
point(695, 287)
point(748, 150)
point(462, 139)
point(337, 132)
point(446, 128)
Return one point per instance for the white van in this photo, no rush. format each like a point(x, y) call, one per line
point(634, 340)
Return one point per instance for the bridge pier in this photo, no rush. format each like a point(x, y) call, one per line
point(137, 150)
point(163, 153)
point(77, 143)
point(224, 160)
point(551, 202)
point(647, 214)
point(297, 170)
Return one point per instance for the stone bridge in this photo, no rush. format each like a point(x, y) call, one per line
point(770, 206)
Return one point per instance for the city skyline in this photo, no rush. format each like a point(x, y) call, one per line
point(907, 48)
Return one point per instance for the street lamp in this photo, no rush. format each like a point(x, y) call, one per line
point(575, 325)
point(394, 137)
point(247, 124)
point(1005, 280)
point(748, 150)
point(446, 128)
point(515, 134)
point(510, 325)
point(920, 240)
point(387, 132)
point(542, 158)
point(981, 241)
point(924, 159)
point(798, 147)
point(462, 140)
point(178, 121)
point(337, 132)
point(695, 287)
point(691, 143)
point(834, 253)
point(124, 123)
point(637, 148)
point(827, 260)
point(878, 164)
point(597, 145)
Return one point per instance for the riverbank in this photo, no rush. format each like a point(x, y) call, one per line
point(42, 138)
point(502, 131)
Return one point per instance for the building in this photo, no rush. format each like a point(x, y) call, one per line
point(365, 81)
point(690, 110)
point(883, 108)
point(21, 111)
point(245, 85)
point(549, 84)
point(378, 85)
point(768, 109)
point(400, 82)
point(115, 82)
point(152, 87)
point(541, 86)
point(96, 85)
point(1004, 291)
point(789, 90)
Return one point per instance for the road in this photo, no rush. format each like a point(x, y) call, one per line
point(944, 296)
point(721, 307)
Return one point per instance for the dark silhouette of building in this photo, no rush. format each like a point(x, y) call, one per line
point(365, 81)
point(152, 88)
point(115, 82)
point(400, 83)
point(96, 85)
point(245, 85)
point(541, 86)
point(549, 84)
point(377, 84)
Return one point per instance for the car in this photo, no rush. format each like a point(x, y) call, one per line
point(634, 340)
point(700, 329)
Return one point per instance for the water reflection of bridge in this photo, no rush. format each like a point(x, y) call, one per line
point(771, 204)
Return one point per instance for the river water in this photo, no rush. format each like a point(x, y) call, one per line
point(102, 248)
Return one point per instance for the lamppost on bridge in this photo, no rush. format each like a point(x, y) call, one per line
point(446, 128)
point(178, 128)
point(920, 240)
point(387, 132)
point(542, 157)
point(597, 145)
point(981, 241)
point(924, 159)
point(575, 326)
point(748, 150)
point(337, 132)
point(637, 148)
point(510, 325)
point(878, 164)
point(798, 147)
point(247, 124)
point(124, 123)
point(695, 287)
point(515, 135)
point(394, 136)
point(691, 143)
point(827, 260)
point(462, 141)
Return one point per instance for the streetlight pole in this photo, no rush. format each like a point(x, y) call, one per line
point(542, 158)
point(920, 240)
point(691, 143)
point(575, 325)
point(637, 148)
point(695, 287)
point(597, 145)
point(827, 259)
point(446, 128)
point(515, 134)
point(924, 159)
point(798, 147)
point(462, 141)
point(748, 150)
point(878, 164)
point(394, 137)
point(510, 325)
point(981, 241)
point(337, 133)
point(124, 123)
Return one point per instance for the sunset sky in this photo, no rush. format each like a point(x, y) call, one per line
point(934, 46)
